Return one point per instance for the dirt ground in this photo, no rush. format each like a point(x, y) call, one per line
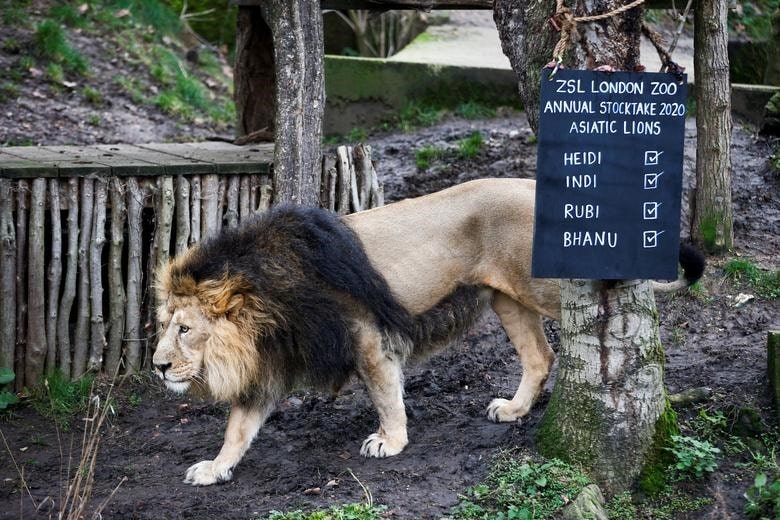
point(307, 456)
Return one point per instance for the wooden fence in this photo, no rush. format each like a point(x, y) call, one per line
point(80, 238)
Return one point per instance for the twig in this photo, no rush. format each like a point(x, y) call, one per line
point(369, 497)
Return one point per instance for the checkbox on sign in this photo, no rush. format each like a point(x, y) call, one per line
point(650, 210)
point(651, 157)
point(651, 180)
point(650, 239)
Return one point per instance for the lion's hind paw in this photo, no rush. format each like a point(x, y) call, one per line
point(380, 446)
point(502, 410)
point(205, 473)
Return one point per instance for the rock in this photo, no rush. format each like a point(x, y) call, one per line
point(589, 505)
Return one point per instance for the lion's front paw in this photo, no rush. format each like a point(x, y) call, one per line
point(380, 446)
point(504, 410)
point(206, 472)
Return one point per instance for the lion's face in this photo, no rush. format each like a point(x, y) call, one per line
point(184, 338)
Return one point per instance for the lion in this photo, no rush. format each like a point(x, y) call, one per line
point(299, 297)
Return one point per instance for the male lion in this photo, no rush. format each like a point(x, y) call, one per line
point(299, 297)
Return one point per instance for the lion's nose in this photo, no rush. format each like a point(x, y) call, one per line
point(163, 367)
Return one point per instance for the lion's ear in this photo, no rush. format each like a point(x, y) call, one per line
point(221, 297)
point(234, 305)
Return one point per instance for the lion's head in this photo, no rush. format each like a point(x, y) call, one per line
point(207, 332)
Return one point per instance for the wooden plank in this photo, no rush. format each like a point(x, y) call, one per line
point(12, 167)
point(226, 157)
point(66, 163)
point(119, 165)
point(171, 164)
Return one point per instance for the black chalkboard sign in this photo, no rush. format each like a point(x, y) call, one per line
point(609, 175)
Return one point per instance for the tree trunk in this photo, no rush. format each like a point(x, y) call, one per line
point(22, 192)
point(609, 393)
point(712, 217)
point(255, 76)
point(97, 343)
point(296, 29)
point(81, 335)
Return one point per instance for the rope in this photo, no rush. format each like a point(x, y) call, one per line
point(565, 20)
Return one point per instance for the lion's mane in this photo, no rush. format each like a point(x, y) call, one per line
point(302, 275)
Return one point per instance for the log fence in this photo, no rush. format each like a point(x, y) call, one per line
point(82, 230)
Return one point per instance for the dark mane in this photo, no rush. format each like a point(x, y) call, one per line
point(302, 262)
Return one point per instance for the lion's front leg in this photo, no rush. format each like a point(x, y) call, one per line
point(382, 375)
point(243, 424)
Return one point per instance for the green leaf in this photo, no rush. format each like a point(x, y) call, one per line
point(6, 375)
point(760, 480)
point(7, 399)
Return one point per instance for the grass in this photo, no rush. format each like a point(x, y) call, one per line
point(345, 512)
point(416, 114)
point(471, 146)
point(474, 110)
point(520, 487)
point(425, 155)
point(61, 399)
point(52, 45)
point(765, 283)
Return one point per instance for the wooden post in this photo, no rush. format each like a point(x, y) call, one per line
point(81, 335)
point(209, 205)
point(195, 190)
point(7, 275)
point(182, 214)
point(255, 76)
point(35, 353)
point(116, 290)
point(71, 273)
point(773, 366)
point(97, 341)
point(54, 276)
point(22, 192)
point(296, 29)
point(135, 205)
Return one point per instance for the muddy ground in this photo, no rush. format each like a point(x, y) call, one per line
point(307, 456)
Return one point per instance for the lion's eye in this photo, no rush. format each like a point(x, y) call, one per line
point(183, 329)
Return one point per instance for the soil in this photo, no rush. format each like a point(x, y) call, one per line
point(307, 456)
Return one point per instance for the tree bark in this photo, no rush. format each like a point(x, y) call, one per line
point(255, 74)
point(609, 393)
point(54, 276)
point(296, 29)
point(116, 289)
point(35, 354)
point(712, 222)
point(71, 273)
point(7, 275)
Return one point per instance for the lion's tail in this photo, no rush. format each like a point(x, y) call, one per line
point(692, 262)
point(448, 319)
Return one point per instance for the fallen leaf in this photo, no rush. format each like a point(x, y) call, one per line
point(332, 483)
point(122, 13)
point(344, 455)
point(312, 491)
point(83, 8)
point(24, 449)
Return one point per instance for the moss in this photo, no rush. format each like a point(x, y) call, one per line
point(652, 478)
point(553, 442)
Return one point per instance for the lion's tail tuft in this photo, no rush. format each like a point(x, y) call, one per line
point(693, 264)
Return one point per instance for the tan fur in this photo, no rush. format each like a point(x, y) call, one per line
point(475, 234)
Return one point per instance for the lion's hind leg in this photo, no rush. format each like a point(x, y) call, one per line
point(381, 372)
point(524, 328)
